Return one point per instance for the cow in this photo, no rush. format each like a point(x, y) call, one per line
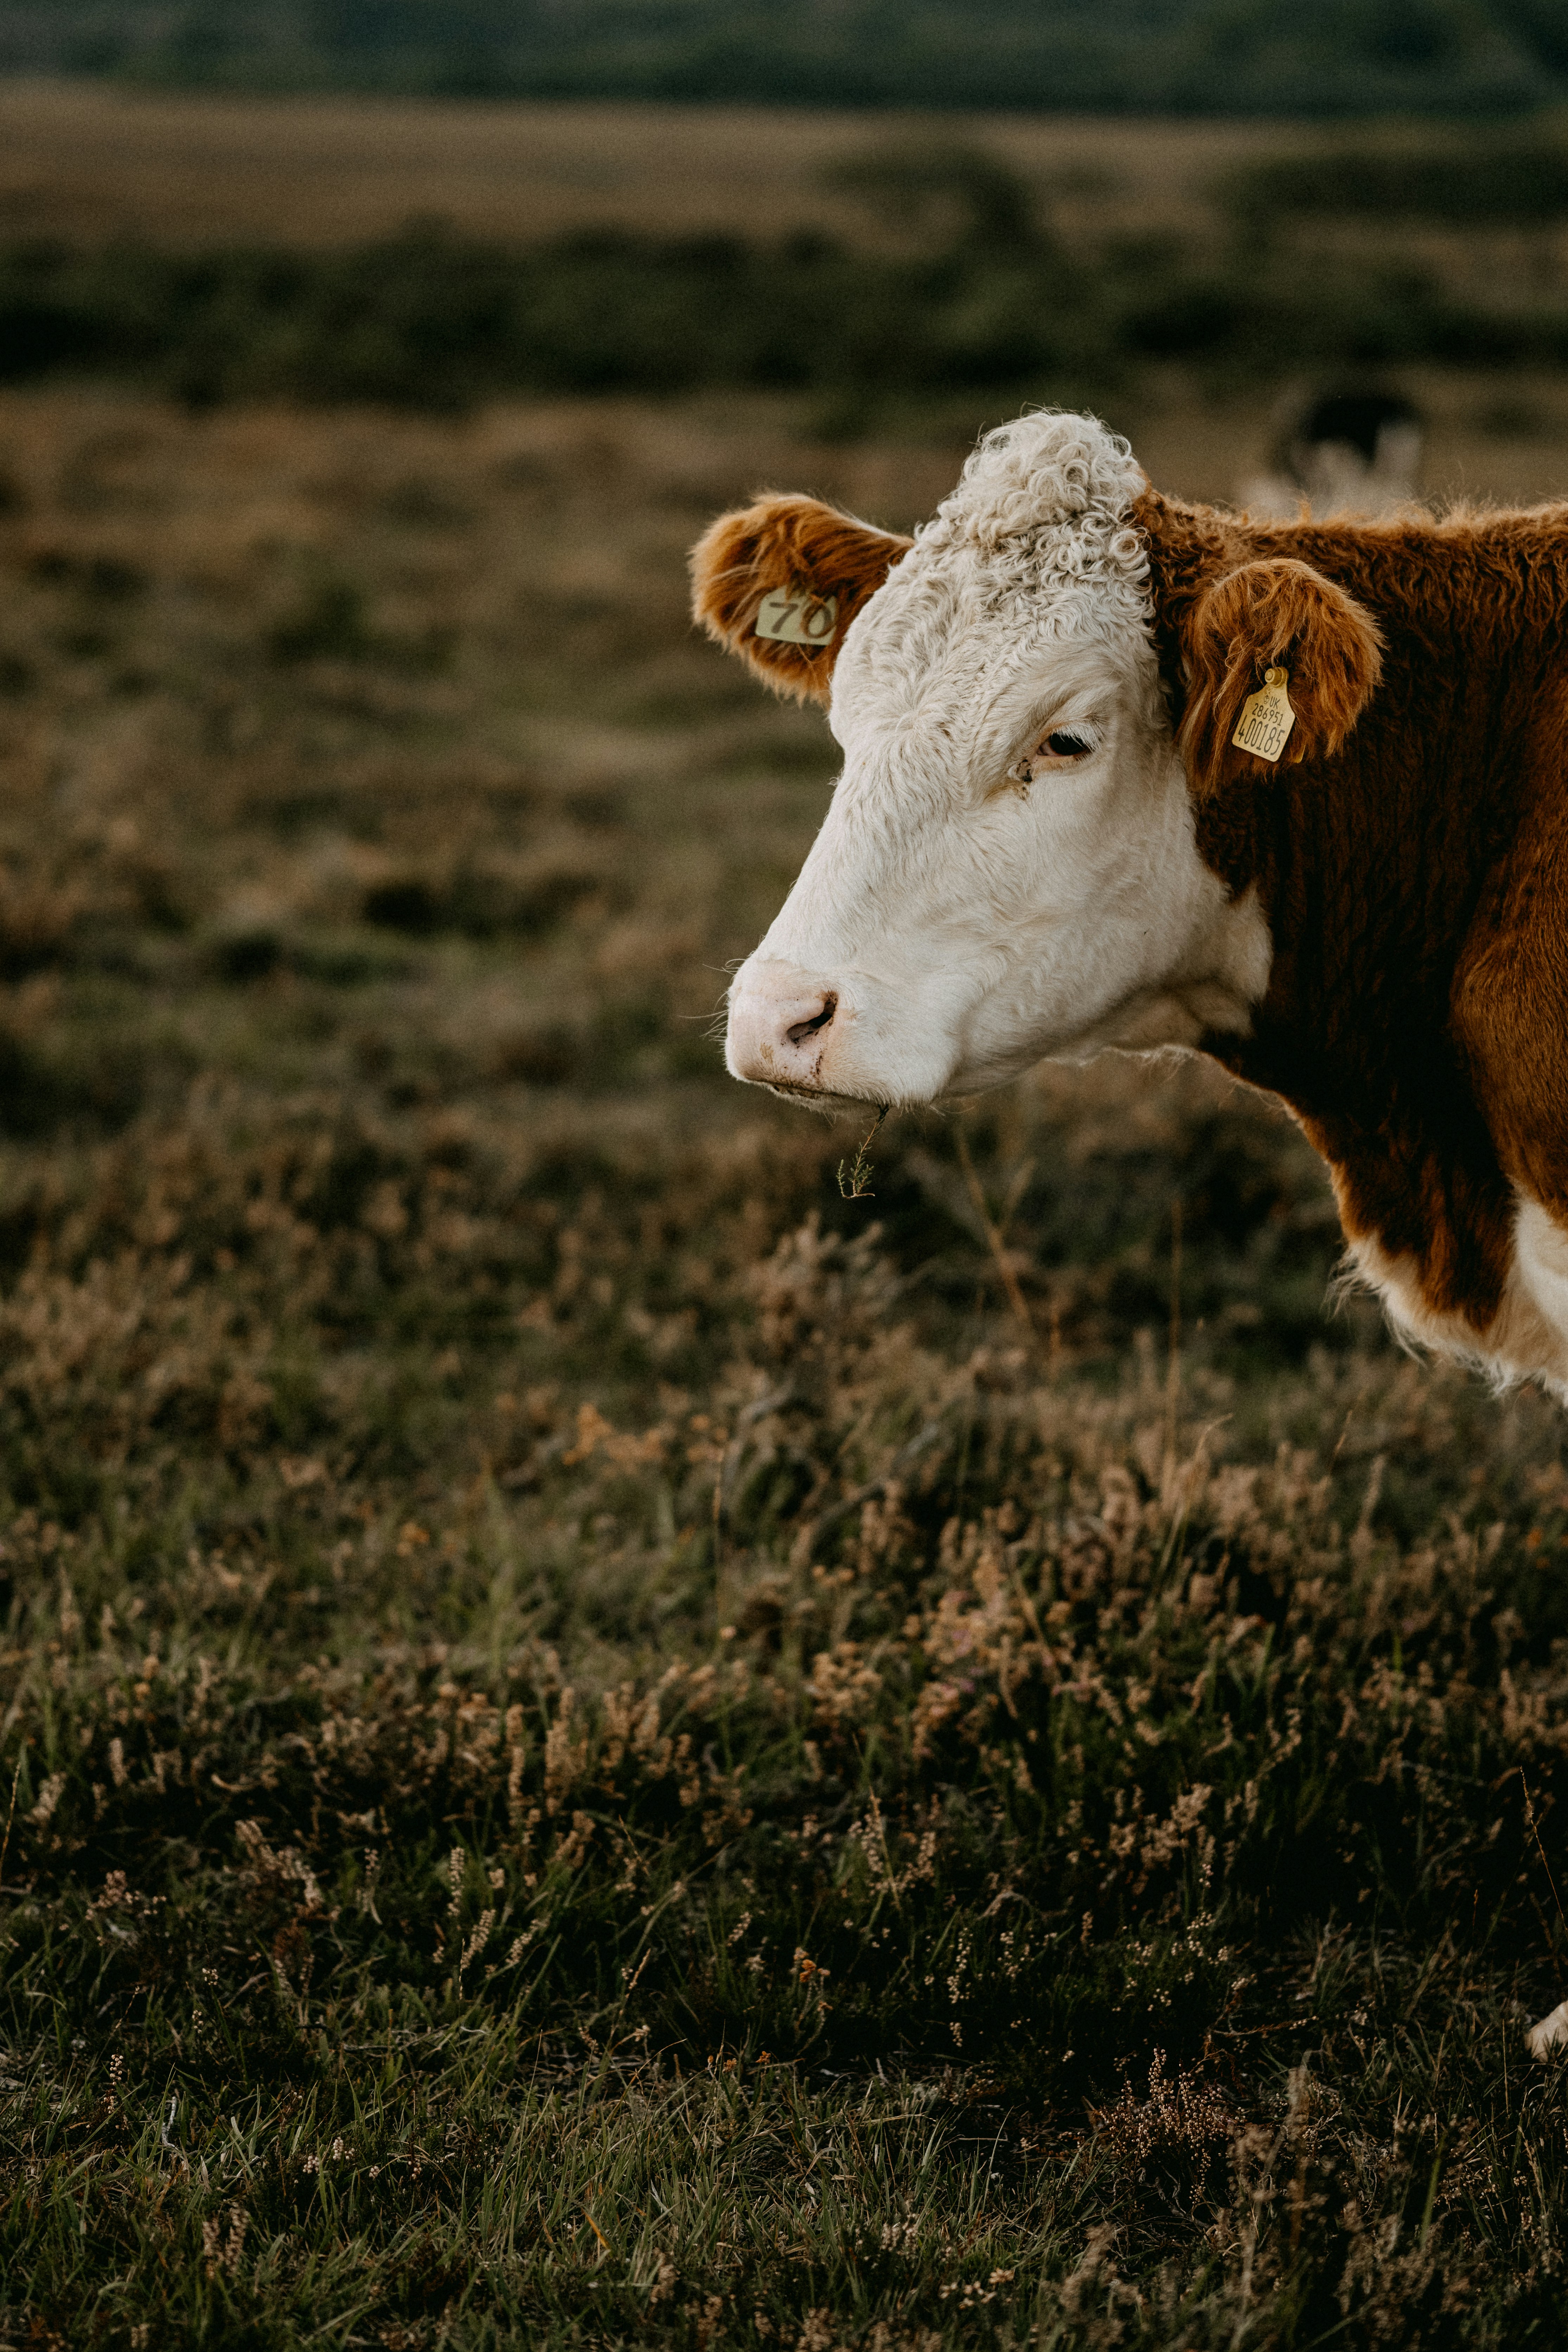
point(1349, 452)
point(1125, 772)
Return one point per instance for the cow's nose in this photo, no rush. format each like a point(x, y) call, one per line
point(813, 1024)
point(779, 1028)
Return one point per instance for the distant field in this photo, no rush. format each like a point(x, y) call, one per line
point(84, 162)
point(895, 272)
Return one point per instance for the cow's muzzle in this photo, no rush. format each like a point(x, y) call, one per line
point(782, 1029)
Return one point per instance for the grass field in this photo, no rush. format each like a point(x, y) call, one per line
point(598, 1744)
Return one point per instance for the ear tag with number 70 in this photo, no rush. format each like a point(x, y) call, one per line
point(793, 616)
point(1266, 718)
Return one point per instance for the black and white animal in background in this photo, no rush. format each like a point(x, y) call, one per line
point(1346, 452)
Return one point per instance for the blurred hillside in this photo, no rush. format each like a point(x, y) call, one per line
point(426, 254)
point(1199, 57)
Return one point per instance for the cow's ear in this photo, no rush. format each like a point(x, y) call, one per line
point(779, 583)
point(1275, 614)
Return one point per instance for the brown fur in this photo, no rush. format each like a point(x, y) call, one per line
point(786, 542)
point(1413, 872)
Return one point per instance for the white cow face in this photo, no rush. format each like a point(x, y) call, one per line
point(1009, 868)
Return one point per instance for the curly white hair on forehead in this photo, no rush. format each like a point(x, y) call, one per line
point(1038, 537)
point(1047, 467)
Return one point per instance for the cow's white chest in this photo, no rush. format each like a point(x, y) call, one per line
point(1528, 1337)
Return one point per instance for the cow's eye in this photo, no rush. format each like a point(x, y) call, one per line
point(1059, 749)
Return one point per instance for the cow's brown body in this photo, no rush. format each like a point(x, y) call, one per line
point(1415, 883)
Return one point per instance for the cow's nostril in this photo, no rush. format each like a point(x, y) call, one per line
point(804, 1029)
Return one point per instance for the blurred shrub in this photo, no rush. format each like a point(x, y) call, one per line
point(480, 901)
point(427, 320)
point(80, 1085)
point(247, 955)
point(1501, 178)
point(328, 621)
point(1247, 56)
point(993, 207)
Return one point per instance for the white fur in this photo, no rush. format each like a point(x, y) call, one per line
point(1548, 2033)
point(965, 928)
point(1527, 1339)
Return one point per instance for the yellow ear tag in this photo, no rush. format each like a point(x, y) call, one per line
point(793, 617)
point(1266, 718)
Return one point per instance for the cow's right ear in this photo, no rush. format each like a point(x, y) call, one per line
point(779, 583)
point(1264, 619)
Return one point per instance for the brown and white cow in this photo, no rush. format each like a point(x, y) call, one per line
point(1044, 840)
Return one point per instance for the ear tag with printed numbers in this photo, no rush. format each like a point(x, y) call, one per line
point(1266, 718)
point(793, 617)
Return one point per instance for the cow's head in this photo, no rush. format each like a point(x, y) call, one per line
point(1010, 868)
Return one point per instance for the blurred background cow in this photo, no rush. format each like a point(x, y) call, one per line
point(1345, 452)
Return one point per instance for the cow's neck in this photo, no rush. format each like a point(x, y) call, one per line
point(1391, 877)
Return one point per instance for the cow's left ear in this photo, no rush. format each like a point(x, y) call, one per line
point(779, 583)
point(1276, 614)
